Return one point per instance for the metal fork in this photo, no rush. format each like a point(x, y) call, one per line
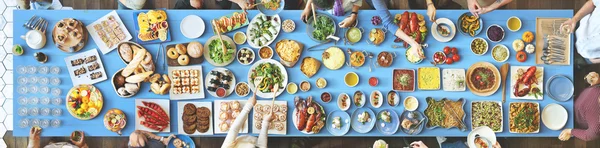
point(30, 21)
point(41, 26)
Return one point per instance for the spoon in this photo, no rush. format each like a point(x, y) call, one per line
point(504, 73)
point(370, 58)
point(414, 127)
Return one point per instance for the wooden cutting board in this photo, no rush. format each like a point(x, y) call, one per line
point(546, 26)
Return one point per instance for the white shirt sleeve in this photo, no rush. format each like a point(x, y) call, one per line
point(596, 2)
point(236, 126)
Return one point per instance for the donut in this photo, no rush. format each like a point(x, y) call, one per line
point(183, 60)
point(181, 49)
point(172, 53)
point(194, 49)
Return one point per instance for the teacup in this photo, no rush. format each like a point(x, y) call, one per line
point(35, 39)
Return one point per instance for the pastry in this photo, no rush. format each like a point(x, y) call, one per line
point(126, 52)
point(182, 50)
point(224, 116)
point(183, 60)
point(224, 126)
point(172, 53)
point(195, 49)
point(147, 59)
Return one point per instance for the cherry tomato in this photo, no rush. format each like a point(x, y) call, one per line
point(521, 56)
point(481, 83)
point(447, 50)
point(477, 77)
point(454, 50)
point(455, 57)
point(449, 61)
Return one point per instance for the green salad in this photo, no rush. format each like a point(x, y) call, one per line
point(271, 75)
point(216, 52)
point(323, 28)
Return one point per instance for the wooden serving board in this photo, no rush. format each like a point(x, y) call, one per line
point(546, 26)
point(173, 62)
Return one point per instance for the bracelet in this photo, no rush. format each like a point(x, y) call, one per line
point(429, 4)
point(161, 139)
point(355, 13)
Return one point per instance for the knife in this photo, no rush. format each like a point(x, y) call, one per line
point(462, 124)
point(416, 126)
point(309, 48)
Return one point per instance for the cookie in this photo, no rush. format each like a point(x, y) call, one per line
point(203, 112)
point(203, 122)
point(202, 129)
point(189, 109)
point(189, 129)
point(189, 119)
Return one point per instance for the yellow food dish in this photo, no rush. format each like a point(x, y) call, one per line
point(84, 102)
point(351, 79)
point(292, 88)
point(334, 58)
point(429, 78)
point(514, 24)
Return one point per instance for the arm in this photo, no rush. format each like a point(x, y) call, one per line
point(237, 125)
point(306, 12)
point(349, 21)
point(586, 9)
point(495, 5)
point(431, 11)
point(388, 22)
point(133, 4)
point(593, 130)
point(264, 132)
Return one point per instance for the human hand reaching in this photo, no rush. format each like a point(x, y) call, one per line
point(431, 11)
point(348, 21)
point(571, 25)
point(81, 141)
point(166, 140)
point(418, 144)
point(565, 135)
point(474, 7)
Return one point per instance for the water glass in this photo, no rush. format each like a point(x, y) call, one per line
point(56, 101)
point(32, 89)
point(55, 91)
point(45, 111)
point(55, 123)
point(33, 101)
point(22, 100)
point(21, 69)
point(22, 111)
point(56, 112)
point(35, 122)
point(32, 80)
point(45, 123)
point(43, 80)
point(55, 70)
point(43, 70)
point(23, 123)
point(22, 80)
point(44, 89)
point(55, 81)
point(45, 100)
point(31, 69)
point(34, 111)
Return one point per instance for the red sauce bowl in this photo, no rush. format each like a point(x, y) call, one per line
point(221, 92)
point(373, 81)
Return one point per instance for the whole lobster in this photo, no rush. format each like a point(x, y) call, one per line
point(526, 79)
point(301, 113)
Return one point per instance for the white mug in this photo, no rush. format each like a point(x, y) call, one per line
point(35, 39)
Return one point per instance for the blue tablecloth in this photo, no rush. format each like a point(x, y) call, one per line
point(335, 86)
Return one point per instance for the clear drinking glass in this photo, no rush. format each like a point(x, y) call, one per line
point(55, 123)
point(22, 100)
point(32, 89)
point(45, 100)
point(43, 80)
point(55, 70)
point(55, 91)
point(34, 111)
point(56, 101)
point(45, 111)
point(21, 69)
point(22, 80)
point(22, 90)
point(55, 81)
point(35, 122)
point(31, 69)
point(44, 89)
point(45, 123)
point(23, 123)
point(43, 70)
point(32, 80)
point(56, 112)
point(22, 111)
point(33, 101)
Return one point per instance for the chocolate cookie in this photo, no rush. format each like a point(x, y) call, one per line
point(189, 119)
point(206, 122)
point(203, 129)
point(189, 109)
point(203, 112)
point(189, 129)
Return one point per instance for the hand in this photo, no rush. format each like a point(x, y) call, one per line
point(81, 141)
point(418, 144)
point(348, 21)
point(431, 12)
point(496, 145)
point(565, 135)
point(268, 117)
point(474, 7)
point(305, 14)
point(571, 24)
point(243, 5)
point(166, 140)
point(416, 49)
point(34, 134)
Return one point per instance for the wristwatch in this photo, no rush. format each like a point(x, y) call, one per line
point(354, 13)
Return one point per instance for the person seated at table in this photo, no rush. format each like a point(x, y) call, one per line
point(341, 7)
point(587, 33)
point(131, 4)
point(34, 140)
point(212, 4)
point(233, 141)
point(587, 112)
point(145, 139)
point(419, 144)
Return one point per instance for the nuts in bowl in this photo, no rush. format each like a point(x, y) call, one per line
point(288, 25)
point(479, 46)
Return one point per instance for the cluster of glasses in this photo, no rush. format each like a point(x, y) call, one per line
point(35, 111)
point(30, 84)
point(44, 123)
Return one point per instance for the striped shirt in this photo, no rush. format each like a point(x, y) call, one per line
point(587, 114)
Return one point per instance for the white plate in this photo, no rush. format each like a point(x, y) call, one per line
point(273, 130)
point(206, 54)
point(192, 26)
point(162, 103)
point(513, 81)
point(283, 84)
point(180, 106)
point(347, 102)
point(554, 116)
point(439, 37)
point(380, 98)
point(86, 77)
point(449, 78)
point(485, 132)
point(199, 95)
point(231, 83)
point(98, 40)
point(251, 25)
point(217, 121)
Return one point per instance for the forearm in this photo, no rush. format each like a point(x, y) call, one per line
point(585, 134)
point(386, 18)
point(237, 124)
point(307, 5)
point(133, 4)
point(263, 136)
point(400, 34)
point(586, 9)
point(33, 144)
point(497, 5)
